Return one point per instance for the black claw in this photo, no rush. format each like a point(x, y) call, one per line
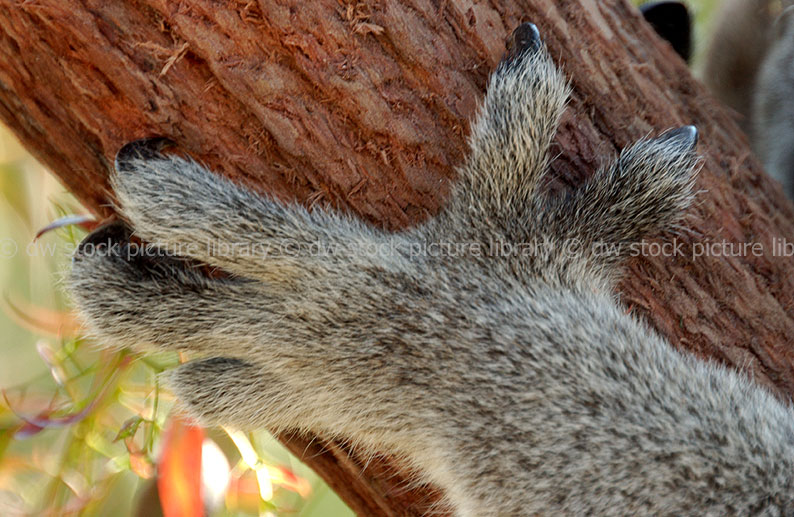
point(106, 236)
point(145, 148)
point(115, 241)
point(524, 40)
point(686, 136)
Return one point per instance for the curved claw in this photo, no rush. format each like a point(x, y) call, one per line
point(525, 39)
point(685, 136)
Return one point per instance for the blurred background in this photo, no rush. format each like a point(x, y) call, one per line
point(84, 432)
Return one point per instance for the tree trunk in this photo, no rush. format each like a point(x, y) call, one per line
point(363, 104)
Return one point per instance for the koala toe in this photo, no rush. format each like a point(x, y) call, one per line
point(114, 245)
point(236, 393)
point(143, 149)
point(137, 295)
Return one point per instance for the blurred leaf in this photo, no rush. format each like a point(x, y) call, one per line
point(268, 475)
point(76, 482)
point(251, 458)
point(97, 442)
point(284, 477)
point(6, 435)
point(14, 190)
point(265, 482)
point(243, 492)
point(39, 319)
point(129, 428)
point(215, 474)
point(27, 429)
point(47, 419)
point(50, 359)
point(142, 465)
point(243, 444)
point(179, 474)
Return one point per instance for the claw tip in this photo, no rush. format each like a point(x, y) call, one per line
point(525, 37)
point(685, 135)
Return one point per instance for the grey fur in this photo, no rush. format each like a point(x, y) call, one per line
point(773, 108)
point(515, 383)
point(739, 40)
point(749, 66)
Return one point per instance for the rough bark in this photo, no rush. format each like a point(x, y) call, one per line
point(364, 105)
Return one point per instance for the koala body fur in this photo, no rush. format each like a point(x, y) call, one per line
point(749, 65)
point(517, 384)
point(773, 104)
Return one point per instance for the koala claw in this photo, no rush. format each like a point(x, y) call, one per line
point(109, 233)
point(525, 39)
point(686, 136)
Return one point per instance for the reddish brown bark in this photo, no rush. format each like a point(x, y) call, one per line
point(364, 105)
